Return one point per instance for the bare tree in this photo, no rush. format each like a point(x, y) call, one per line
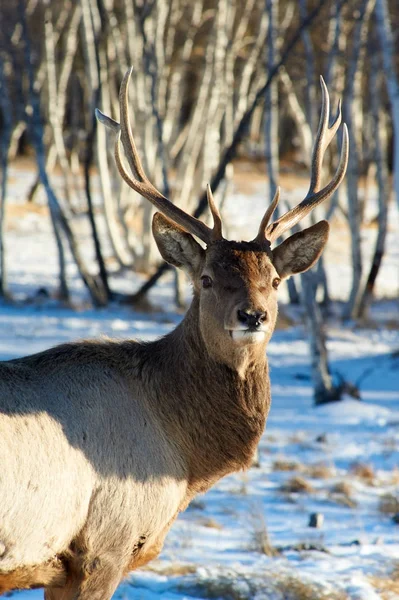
point(271, 102)
point(274, 42)
point(389, 53)
point(58, 217)
point(241, 127)
point(379, 137)
point(352, 108)
point(200, 83)
point(5, 140)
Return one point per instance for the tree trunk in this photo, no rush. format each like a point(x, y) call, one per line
point(323, 387)
point(352, 116)
point(380, 144)
point(58, 218)
point(389, 53)
point(91, 31)
point(271, 104)
point(5, 138)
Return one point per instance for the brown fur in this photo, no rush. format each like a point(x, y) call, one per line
point(103, 443)
point(52, 573)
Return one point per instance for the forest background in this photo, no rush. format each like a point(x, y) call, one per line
point(213, 84)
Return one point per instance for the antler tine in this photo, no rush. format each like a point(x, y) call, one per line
point(323, 137)
point(141, 183)
point(261, 238)
point(315, 196)
point(126, 130)
point(217, 219)
point(312, 200)
point(107, 121)
point(174, 213)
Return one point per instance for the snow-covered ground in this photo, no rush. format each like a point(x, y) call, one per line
point(339, 460)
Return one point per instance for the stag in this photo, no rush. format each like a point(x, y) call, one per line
point(103, 443)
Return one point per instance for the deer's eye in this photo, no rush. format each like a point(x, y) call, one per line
point(206, 281)
point(276, 282)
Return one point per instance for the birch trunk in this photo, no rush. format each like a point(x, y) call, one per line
point(379, 136)
point(55, 116)
point(271, 118)
point(297, 114)
point(271, 104)
point(59, 219)
point(323, 388)
point(352, 116)
point(310, 88)
point(389, 53)
point(5, 104)
point(91, 24)
point(120, 250)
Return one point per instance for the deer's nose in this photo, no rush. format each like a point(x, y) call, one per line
point(251, 318)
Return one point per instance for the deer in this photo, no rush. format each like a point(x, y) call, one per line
point(104, 442)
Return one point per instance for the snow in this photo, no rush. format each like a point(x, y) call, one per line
point(216, 548)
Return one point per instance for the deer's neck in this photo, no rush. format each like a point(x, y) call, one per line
point(215, 412)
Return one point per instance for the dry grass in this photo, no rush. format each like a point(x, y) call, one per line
point(17, 211)
point(297, 485)
point(223, 587)
point(320, 471)
point(268, 587)
point(298, 437)
point(210, 523)
point(343, 500)
point(342, 487)
point(395, 476)
point(389, 504)
point(260, 540)
point(293, 588)
point(285, 464)
point(172, 570)
point(364, 472)
point(341, 493)
point(387, 587)
point(262, 544)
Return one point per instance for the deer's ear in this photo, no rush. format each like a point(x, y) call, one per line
point(300, 251)
point(176, 246)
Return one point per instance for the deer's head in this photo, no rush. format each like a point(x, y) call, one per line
point(236, 283)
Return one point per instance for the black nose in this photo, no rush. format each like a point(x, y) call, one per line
point(251, 318)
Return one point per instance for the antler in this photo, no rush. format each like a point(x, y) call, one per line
point(140, 182)
point(260, 238)
point(314, 196)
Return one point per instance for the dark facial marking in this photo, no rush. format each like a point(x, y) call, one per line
point(235, 263)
